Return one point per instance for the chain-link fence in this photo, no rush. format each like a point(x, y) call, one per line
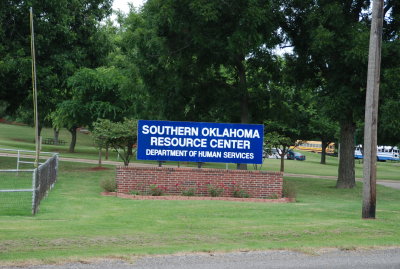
point(22, 188)
point(45, 176)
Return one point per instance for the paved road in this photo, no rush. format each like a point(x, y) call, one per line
point(333, 259)
point(390, 183)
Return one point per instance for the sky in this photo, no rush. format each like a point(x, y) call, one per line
point(123, 4)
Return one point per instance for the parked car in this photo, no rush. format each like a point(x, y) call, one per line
point(271, 153)
point(292, 155)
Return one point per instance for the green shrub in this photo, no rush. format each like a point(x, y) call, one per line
point(240, 193)
point(273, 196)
point(108, 185)
point(189, 192)
point(134, 192)
point(156, 190)
point(215, 191)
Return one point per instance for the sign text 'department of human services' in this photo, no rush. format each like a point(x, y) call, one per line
point(200, 142)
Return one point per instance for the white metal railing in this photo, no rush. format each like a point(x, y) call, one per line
point(30, 151)
point(19, 190)
point(35, 184)
point(18, 152)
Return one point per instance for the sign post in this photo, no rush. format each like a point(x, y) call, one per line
point(371, 112)
point(34, 88)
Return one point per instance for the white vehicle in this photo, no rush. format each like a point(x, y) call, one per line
point(273, 153)
point(358, 152)
point(388, 153)
point(384, 153)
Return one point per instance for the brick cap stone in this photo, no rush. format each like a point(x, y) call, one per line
point(205, 170)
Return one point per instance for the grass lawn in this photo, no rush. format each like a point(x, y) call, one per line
point(75, 222)
point(22, 137)
point(312, 166)
point(16, 203)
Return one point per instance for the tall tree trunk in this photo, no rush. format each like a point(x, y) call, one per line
point(56, 132)
point(324, 145)
point(72, 130)
point(244, 94)
point(130, 146)
point(126, 158)
point(244, 99)
point(346, 175)
point(282, 163)
point(107, 152)
point(282, 154)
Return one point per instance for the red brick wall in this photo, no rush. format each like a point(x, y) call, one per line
point(259, 184)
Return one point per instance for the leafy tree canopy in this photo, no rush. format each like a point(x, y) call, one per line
point(121, 136)
point(194, 54)
point(67, 36)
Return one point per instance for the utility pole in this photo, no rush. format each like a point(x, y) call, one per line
point(371, 111)
point(34, 89)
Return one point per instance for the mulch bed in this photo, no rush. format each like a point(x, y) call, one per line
point(197, 198)
point(12, 122)
point(99, 168)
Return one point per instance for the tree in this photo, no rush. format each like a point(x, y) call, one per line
point(281, 143)
point(389, 112)
point(96, 93)
point(210, 51)
point(121, 136)
point(389, 109)
point(330, 40)
point(132, 90)
point(69, 114)
point(324, 128)
point(68, 37)
point(290, 108)
point(100, 133)
point(195, 55)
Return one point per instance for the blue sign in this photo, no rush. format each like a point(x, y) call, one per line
point(200, 142)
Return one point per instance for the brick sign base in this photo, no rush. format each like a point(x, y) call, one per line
point(258, 184)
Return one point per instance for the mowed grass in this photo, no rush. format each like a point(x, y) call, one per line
point(76, 222)
point(312, 166)
point(22, 137)
point(15, 203)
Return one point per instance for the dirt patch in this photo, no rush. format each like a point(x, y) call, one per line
point(19, 140)
point(99, 168)
point(12, 122)
point(197, 198)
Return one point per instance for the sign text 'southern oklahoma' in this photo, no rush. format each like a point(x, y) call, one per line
point(200, 142)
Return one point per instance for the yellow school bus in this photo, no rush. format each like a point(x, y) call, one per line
point(314, 146)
